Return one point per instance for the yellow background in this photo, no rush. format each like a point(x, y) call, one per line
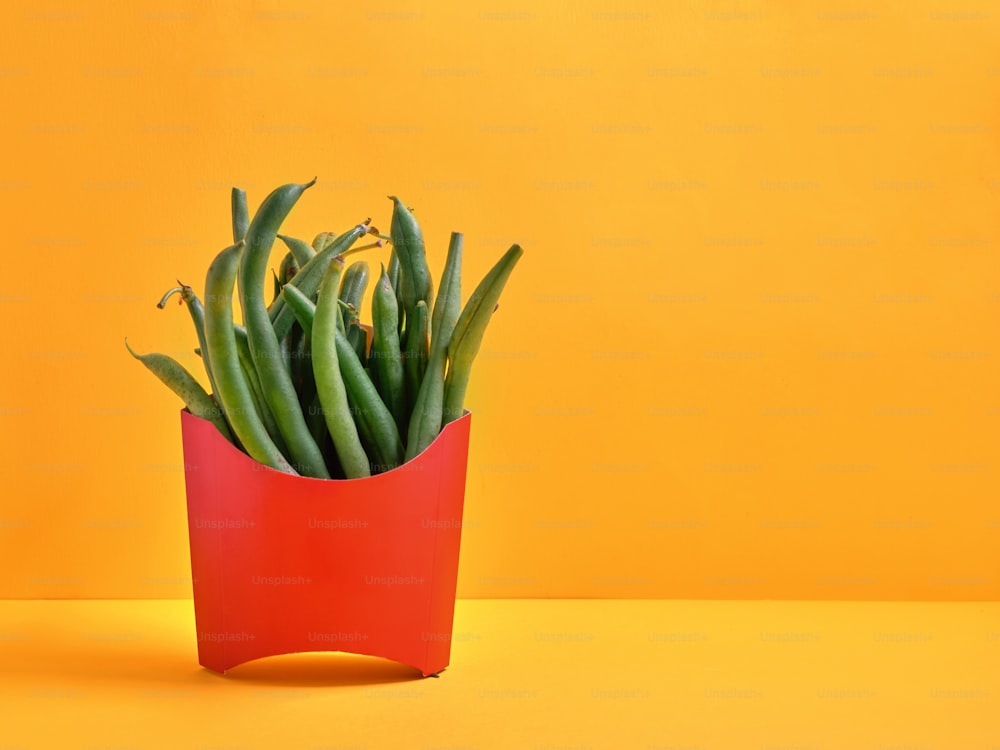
point(750, 351)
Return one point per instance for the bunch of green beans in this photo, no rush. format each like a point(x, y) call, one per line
point(301, 384)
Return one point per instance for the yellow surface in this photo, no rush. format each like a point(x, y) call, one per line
point(525, 674)
point(751, 350)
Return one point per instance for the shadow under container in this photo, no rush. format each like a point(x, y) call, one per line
point(286, 564)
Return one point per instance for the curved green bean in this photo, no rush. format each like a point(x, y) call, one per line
point(428, 411)
point(469, 329)
point(233, 392)
point(180, 381)
point(253, 382)
point(265, 345)
point(370, 413)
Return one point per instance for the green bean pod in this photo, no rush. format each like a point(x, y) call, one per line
point(358, 339)
point(301, 251)
point(309, 277)
point(241, 214)
point(427, 413)
point(233, 392)
point(374, 420)
point(329, 381)
point(469, 329)
point(277, 285)
point(180, 381)
point(197, 312)
point(250, 373)
point(395, 273)
point(388, 358)
point(301, 306)
point(415, 357)
point(408, 241)
point(353, 285)
point(316, 419)
point(265, 345)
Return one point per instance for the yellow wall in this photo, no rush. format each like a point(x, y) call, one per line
point(751, 350)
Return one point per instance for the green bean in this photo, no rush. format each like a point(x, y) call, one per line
point(386, 352)
point(427, 413)
point(415, 357)
point(329, 381)
point(301, 251)
point(395, 273)
point(371, 414)
point(253, 382)
point(300, 305)
point(277, 285)
point(265, 345)
point(233, 392)
point(408, 241)
point(358, 340)
point(197, 312)
point(323, 240)
point(469, 329)
point(241, 215)
point(309, 276)
point(180, 381)
point(317, 426)
point(354, 284)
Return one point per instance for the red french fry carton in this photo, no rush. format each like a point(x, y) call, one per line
point(285, 564)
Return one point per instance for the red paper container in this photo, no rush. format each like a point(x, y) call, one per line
point(284, 564)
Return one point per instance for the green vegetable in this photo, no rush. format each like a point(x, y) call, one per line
point(256, 392)
point(181, 382)
point(354, 284)
point(197, 313)
point(309, 277)
point(329, 382)
point(372, 416)
point(233, 392)
point(265, 345)
point(469, 329)
point(241, 216)
point(395, 273)
point(417, 344)
point(300, 251)
point(408, 242)
point(303, 386)
point(386, 355)
point(425, 424)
